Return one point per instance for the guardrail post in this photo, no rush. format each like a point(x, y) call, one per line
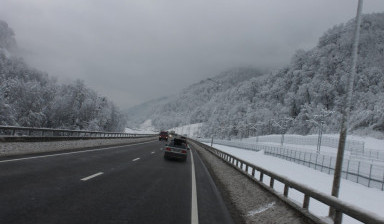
point(253, 171)
point(261, 176)
point(338, 217)
point(286, 189)
point(272, 182)
point(306, 201)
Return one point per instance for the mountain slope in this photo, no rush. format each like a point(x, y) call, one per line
point(193, 105)
point(310, 89)
point(29, 97)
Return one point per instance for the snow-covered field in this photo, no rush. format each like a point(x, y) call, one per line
point(191, 130)
point(367, 198)
point(138, 131)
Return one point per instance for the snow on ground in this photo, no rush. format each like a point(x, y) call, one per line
point(147, 125)
point(145, 128)
point(370, 199)
point(191, 130)
point(138, 131)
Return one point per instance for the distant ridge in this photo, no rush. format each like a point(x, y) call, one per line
point(245, 101)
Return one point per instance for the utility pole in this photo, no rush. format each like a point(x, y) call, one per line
point(334, 214)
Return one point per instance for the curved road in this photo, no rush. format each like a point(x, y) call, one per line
point(125, 184)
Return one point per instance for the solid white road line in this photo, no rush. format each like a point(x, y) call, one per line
point(135, 159)
point(92, 176)
point(68, 153)
point(194, 211)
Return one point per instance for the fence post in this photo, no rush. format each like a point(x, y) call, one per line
point(382, 183)
point(330, 164)
point(346, 176)
point(322, 164)
point(358, 172)
point(310, 159)
point(370, 175)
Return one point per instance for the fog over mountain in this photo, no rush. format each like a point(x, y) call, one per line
point(311, 86)
point(135, 51)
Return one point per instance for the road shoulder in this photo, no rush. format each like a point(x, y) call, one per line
point(248, 202)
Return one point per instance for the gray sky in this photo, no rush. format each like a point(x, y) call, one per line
point(136, 50)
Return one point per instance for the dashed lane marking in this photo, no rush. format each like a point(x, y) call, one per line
point(135, 159)
point(69, 153)
point(92, 176)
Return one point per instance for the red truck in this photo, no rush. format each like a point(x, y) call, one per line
point(163, 136)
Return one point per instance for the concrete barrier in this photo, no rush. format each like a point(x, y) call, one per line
point(22, 148)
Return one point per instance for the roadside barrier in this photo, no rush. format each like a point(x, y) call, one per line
point(11, 133)
point(257, 174)
point(367, 172)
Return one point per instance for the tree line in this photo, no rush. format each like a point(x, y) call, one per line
point(31, 98)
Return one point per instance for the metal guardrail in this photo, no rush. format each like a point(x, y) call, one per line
point(250, 170)
point(367, 174)
point(359, 170)
point(28, 132)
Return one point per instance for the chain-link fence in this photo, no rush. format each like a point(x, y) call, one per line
point(351, 145)
point(368, 174)
point(362, 172)
point(369, 154)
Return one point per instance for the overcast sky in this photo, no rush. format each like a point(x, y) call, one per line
point(137, 50)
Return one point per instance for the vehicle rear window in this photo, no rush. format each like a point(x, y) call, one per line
point(178, 144)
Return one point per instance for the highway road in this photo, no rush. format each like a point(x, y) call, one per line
point(125, 184)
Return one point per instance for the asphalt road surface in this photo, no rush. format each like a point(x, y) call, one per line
point(125, 184)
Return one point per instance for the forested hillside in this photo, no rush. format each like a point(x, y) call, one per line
point(29, 97)
point(309, 90)
point(193, 104)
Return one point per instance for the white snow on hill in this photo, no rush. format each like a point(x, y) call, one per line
point(191, 130)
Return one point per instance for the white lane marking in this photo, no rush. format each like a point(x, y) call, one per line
point(92, 176)
point(152, 152)
point(135, 159)
point(69, 153)
point(194, 211)
point(262, 209)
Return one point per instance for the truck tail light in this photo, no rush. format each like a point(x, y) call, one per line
point(183, 151)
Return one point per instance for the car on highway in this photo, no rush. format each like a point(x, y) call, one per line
point(176, 149)
point(163, 136)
